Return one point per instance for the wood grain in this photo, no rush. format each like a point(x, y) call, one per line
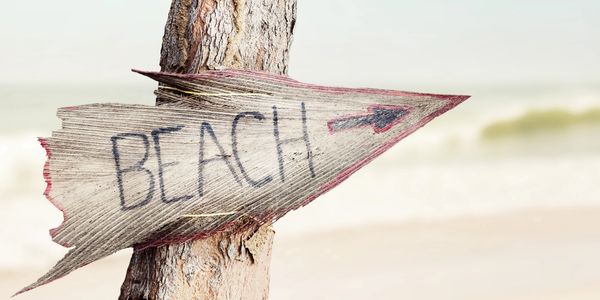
point(207, 35)
point(129, 175)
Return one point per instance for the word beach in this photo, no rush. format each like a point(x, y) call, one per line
point(237, 145)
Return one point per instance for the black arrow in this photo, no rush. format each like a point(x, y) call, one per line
point(380, 117)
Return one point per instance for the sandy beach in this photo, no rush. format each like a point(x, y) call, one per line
point(530, 254)
point(497, 199)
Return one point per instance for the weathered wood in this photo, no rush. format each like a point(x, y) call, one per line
point(227, 265)
point(240, 149)
point(199, 236)
point(203, 35)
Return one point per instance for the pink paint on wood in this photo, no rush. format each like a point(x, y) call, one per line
point(273, 90)
point(48, 179)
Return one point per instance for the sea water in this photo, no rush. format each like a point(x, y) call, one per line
point(444, 170)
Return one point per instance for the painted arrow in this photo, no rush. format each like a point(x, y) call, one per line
point(238, 148)
point(380, 117)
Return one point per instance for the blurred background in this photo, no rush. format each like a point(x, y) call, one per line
point(497, 199)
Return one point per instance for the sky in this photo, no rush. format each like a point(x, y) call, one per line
point(381, 42)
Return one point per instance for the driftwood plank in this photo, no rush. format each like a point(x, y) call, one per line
point(235, 145)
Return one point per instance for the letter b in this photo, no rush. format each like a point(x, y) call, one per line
point(137, 167)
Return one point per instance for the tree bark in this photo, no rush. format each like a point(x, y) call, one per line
point(204, 35)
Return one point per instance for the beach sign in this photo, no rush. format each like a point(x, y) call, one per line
point(233, 147)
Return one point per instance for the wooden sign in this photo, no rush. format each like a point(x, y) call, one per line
point(238, 145)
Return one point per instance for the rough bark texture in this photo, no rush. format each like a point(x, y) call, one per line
point(206, 35)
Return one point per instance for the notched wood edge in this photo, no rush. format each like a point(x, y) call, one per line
point(254, 242)
point(48, 178)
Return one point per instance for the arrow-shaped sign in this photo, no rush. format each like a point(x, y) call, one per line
point(239, 146)
point(380, 117)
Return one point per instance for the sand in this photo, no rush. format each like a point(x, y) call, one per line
point(535, 254)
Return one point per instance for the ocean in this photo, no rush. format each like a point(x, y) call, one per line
point(444, 170)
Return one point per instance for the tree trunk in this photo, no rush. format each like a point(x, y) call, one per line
point(202, 35)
